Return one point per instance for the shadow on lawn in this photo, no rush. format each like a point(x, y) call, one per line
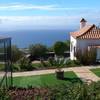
point(72, 80)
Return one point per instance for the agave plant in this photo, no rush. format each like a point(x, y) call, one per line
point(57, 62)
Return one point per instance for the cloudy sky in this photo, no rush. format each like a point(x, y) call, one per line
point(47, 14)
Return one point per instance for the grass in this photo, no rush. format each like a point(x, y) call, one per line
point(96, 71)
point(44, 80)
point(2, 67)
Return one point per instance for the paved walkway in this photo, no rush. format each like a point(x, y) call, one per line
point(39, 72)
point(82, 72)
point(86, 75)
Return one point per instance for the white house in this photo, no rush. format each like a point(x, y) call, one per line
point(86, 36)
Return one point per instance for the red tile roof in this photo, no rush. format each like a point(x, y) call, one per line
point(87, 32)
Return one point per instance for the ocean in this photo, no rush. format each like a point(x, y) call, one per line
point(24, 38)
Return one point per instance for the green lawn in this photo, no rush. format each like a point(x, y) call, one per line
point(2, 67)
point(44, 80)
point(96, 71)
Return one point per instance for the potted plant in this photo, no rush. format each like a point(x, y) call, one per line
point(58, 63)
point(59, 49)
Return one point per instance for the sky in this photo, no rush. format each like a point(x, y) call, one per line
point(47, 14)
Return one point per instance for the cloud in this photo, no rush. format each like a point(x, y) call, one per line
point(37, 22)
point(39, 19)
point(43, 22)
point(26, 7)
point(19, 6)
point(0, 21)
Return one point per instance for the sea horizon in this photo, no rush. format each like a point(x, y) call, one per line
point(24, 38)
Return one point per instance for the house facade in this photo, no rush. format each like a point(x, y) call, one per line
point(86, 37)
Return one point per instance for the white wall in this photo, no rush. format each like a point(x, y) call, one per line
point(73, 43)
point(82, 44)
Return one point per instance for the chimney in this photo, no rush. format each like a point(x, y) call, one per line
point(82, 23)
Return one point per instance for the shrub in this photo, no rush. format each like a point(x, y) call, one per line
point(15, 67)
point(16, 54)
point(72, 63)
point(41, 65)
point(25, 64)
point(51, 61)
point(75, 91)
point(4, 94)
point(37, 50)
point(37, 65)
point(45, 63)
point(86, 57)
point(57, 62)
point(77, 62)
point(71, 91)
point(65, 62)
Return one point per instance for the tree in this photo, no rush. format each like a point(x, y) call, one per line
point(37, 50)
point(50, 49)
point(16, 54)
point(60, 48)
point(67, 45)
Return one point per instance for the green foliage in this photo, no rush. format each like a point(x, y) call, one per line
point(37, 50)
point(2, 67)
point(67, 45)
point(62, 62)
point(44, 80)
point(51, 63)
point(16, 54)
point(16, 67)
point(50, 49)
point(96, 71)
point(72, 63)
point(75, 91)
point(4, 94)
point(86, 57)
point(41, 65)
point(25, 64)
point(37, 65)
point(65, 92)
point(60, 48)
point(57, 62)
point(70, 91)
point(45, 64)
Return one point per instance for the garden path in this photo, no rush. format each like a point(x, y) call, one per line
point(86, 75)
point(82, 72)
